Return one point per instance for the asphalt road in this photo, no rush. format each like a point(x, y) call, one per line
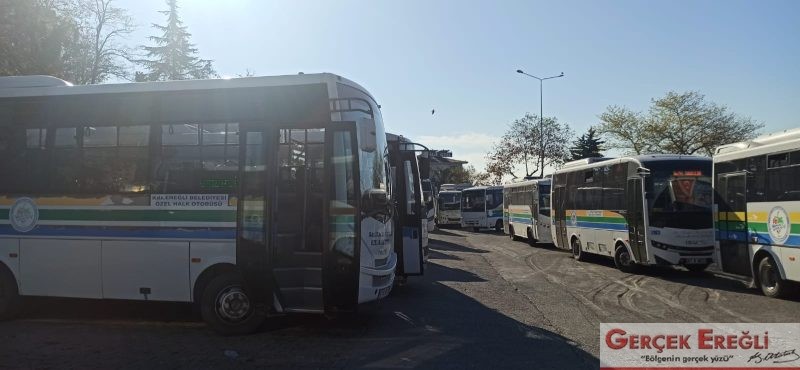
point(484, 302)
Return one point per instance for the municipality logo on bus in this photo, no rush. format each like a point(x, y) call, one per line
point(778, 225)
point(23, 215)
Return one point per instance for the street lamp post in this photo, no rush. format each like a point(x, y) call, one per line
point(541, 112)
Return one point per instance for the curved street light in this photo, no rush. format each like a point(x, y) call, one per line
point(541, 111)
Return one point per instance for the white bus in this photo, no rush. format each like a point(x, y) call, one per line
point(411, 238)
point(482, 207)
point(526, 211)
point(246, 196)
point(646, 210)
point(758, 210)
point(449, 210)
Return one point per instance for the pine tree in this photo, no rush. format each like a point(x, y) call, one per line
point(587, 145)
point(173, 57)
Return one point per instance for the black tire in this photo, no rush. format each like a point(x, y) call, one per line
point(498, 226)
point(623, 260)
point(769, 279)
point(241, 316)
point(531, 240)
point(476, 229)
point(10, 301)
point(577, 253)
point(697, 267)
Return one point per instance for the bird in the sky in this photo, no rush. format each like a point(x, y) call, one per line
point(433, 111)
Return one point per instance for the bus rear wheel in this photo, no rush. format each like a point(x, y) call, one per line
point(498, 226)
point(9, 295)
point(226, 307)
point(623, 260)
point(769, 279)
point(577, 252)
point(476, 229)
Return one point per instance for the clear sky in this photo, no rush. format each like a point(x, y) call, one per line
point(460, 57)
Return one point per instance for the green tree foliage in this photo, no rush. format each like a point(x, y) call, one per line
point(173, 57)
point(587, 145)
point(38, 37)
point(679, 123)
point(75, 40)
point(462, 175)
point(530, 144)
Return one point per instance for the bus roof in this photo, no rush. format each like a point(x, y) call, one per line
point(32, 86)
point(526, 183)
point(493, 187)
point(769, 143)
point(641, 160)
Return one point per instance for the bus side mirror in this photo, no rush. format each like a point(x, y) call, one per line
point(641, 171)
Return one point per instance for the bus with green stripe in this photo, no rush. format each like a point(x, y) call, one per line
point(526, 211)
point(758, 210)
point(638, 210)
point(482, 207)
point(249, 197)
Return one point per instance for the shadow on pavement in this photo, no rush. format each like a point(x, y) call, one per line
point(437, 244)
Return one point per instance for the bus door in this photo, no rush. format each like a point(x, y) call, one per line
point(411, 213)
point(635, 218)
point(298, 210)
point(560, 217)
point(732, 224)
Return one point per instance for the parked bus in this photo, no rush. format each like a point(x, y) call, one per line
point(410, 221)
point(758, 210)
point(449, 209)
point(482, 207)
point(526, 211)
point(646, 210)
point(248, 196)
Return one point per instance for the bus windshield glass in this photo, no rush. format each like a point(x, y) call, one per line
point(544, 200)
point(449, 201)
point(682, 187)
point(473, 201)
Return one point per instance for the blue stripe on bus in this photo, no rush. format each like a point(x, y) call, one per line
point(521, 220)
point(138, 232)
point(761, 238)
point(603, 225)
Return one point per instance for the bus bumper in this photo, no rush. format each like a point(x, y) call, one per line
point(376, 283)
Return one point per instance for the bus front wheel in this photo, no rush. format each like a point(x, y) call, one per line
point(769, 279)
point(476, 229)
point(9, 295)
point(622, 259)
point(227, 308)
point(577, 252)
point(498, 226)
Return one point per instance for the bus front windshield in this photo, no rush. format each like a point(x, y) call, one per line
point(449, 201)
point(679, 194)
point(473, 201)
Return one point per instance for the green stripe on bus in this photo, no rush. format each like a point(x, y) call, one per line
point(762, 227)
point(615, 220)
point(137, 215)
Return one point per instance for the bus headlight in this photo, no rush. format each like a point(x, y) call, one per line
point(659, 245)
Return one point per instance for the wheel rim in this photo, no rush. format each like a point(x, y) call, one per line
point(233, 305)
point(624, 257)
point(768, 277)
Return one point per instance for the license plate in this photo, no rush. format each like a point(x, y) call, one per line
point(695, 261)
